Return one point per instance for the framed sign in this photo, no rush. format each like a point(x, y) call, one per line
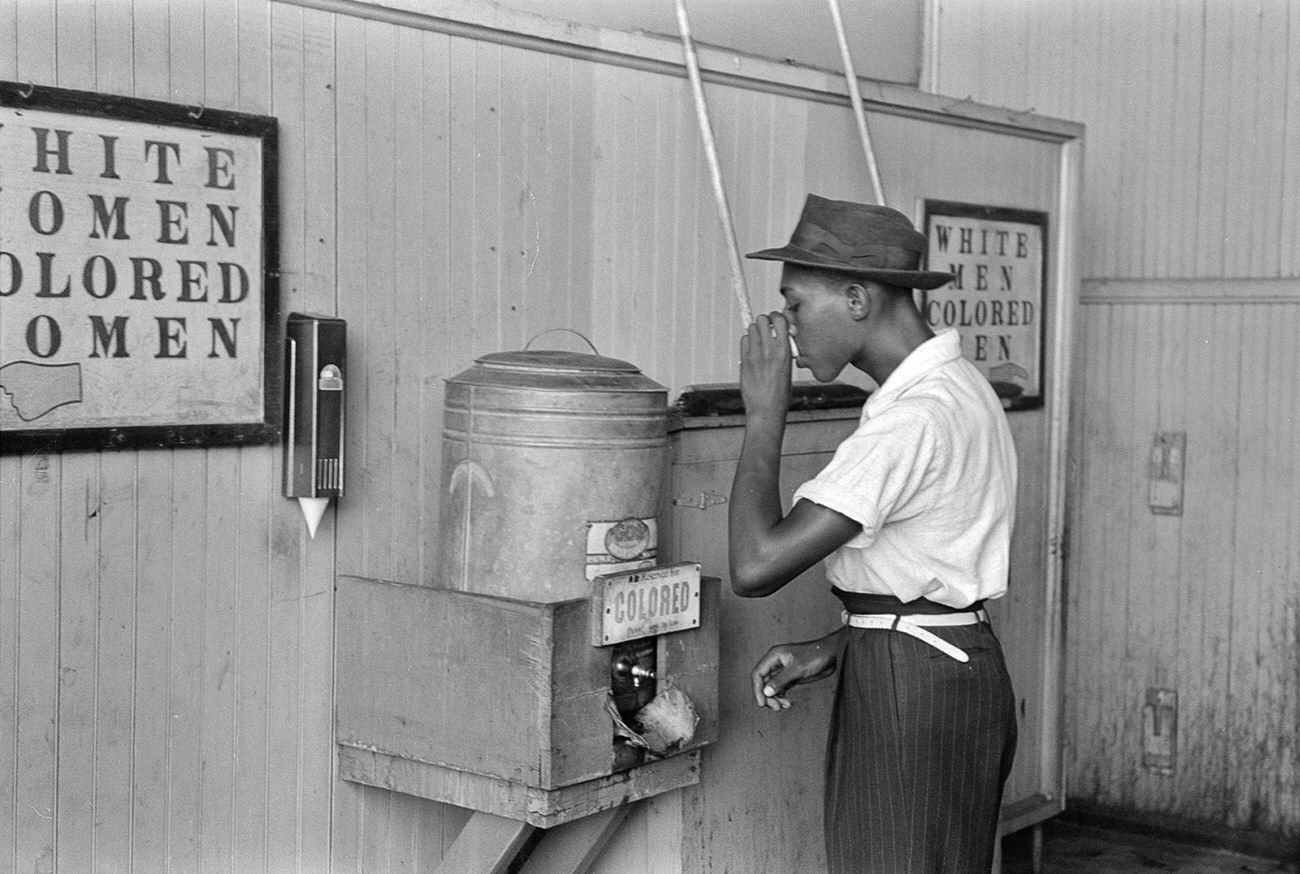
point(998, 299)
point(138, 296)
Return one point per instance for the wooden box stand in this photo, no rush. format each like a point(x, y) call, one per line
point(499, 705)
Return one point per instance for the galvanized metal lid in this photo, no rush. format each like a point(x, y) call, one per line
point(556, 370)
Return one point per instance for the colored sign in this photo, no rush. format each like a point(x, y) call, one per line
point(135, 301)
point(996, 298)
point(642, 603)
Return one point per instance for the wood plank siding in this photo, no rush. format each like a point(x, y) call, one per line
point(455, 181)
point(1190, 308)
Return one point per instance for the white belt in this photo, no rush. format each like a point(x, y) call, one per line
point(914, 623)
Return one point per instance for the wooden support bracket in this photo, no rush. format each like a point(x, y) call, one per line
point(490, 844)
point(486, 845)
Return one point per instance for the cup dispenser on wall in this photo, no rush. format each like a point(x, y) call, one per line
point(555, 668)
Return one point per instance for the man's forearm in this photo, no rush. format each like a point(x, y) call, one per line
point(755, 506)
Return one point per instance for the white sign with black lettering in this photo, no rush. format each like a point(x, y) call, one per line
point(646, 602)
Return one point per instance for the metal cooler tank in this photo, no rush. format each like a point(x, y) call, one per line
point(511, 686)
point(553, 464)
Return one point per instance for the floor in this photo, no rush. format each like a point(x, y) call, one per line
point(1070, 848)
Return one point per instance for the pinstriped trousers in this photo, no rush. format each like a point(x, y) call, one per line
point(920, 746)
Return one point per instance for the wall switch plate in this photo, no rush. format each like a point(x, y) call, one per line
point(1160, 731)
point(1165, 473)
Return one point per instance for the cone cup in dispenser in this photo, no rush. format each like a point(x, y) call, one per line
point(553, 464)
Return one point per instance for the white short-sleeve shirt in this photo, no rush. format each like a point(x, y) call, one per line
point(930, 474)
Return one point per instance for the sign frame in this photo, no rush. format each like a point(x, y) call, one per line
point(263, 426)
point(1018, 382)
point(609, 592)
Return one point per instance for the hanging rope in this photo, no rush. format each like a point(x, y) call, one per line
point(855, 98)
point(715, 170)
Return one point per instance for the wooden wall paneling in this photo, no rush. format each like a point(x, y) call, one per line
point(526, 222)
point(615, 97)
point(1209, 494)
point(483, 126)
point(469, 340)
point(9, 41)
point(688, 175)
point(712, 283)
point(1080, 605)
point(1101, 641)
point(289, 678)
point(413, 316)
point(505, 123)
point(186, 62)
point(946, 67)
point(253, 19)
point(217, 628)
point(1216, 139)
point(185, 621)
point(1115, 92)
point(1176, 76)
point(35, 655)
point(1275, 761)
point(1251, 584)
point(358, 285)
point(760, 169)
point(653, 237)
point(34, 40)
point(537, 209)
point(114, 669)
point(152, 691)
point(1128, 499)
point(298, 577)
point(690, 181)
point(378, 311)
point(1190, 115)
point(786, 191)
point(77, 542)
point(566, 171)
point(208, 539)
point(1127, 612)
point(835, 164)
point(441, 320)
point(1248, 577)
point(1288, 160)
point(372, 828)
point(1259, 42)
point(11, 495)
point(1272, 96)
point(1148, 608)
point(251, 565)
point(719, 312)
point(73, 34)
point(620, 108)
point(1161, 626)
point(1172, 400)
point(307, 242)
point(353, 804)
point(1163, 182)
point(1138, 122)
point(656, 258)
point(155, 805)
point(1146, 125)
point(1252, 693)
point(1284, 635)
point(577, 161)
point(1094, 416)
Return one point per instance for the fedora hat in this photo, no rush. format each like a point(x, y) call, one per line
point(874, 242)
